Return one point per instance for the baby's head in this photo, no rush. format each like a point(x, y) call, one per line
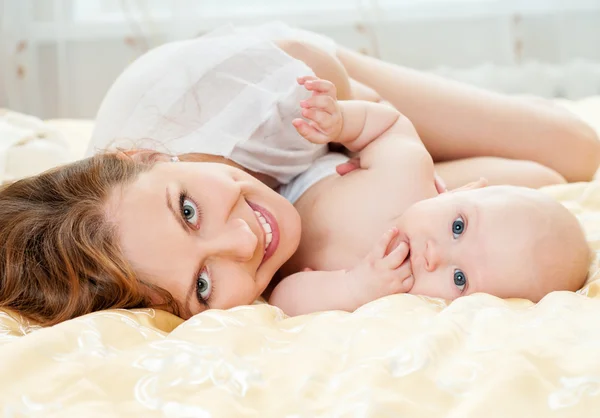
point(507, 241)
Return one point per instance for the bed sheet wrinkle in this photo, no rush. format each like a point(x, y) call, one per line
point(402, 355)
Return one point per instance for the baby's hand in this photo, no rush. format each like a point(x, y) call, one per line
point(378, 274)
point(325, 119)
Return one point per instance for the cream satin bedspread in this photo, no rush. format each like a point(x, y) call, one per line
point(399, 356)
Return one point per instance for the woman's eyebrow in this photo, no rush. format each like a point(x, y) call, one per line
point(175, 212)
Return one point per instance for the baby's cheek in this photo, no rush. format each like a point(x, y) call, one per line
point(416, 219)
point(432, 284)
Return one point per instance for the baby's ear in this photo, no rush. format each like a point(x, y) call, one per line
point(482, 182)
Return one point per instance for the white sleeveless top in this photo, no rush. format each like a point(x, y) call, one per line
point(231, 93)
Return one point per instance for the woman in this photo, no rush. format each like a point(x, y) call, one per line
point(63, 255)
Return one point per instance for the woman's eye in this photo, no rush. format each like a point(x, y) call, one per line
point(189, 211)
point(203, 286)
point(458, 227)
point(460, 280)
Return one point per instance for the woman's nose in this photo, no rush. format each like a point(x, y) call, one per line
point(432, 256)
point(235, 240)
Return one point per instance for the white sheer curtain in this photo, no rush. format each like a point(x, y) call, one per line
point(58, 57)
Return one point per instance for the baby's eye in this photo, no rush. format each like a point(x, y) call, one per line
point(458, 227)
point(189, 211)
point(460, 280)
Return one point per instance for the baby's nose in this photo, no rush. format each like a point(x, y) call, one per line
point(432, 256)
point(236, 240)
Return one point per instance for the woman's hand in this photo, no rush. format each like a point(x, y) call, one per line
point(324, 115)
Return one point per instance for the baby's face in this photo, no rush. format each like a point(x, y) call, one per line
point(506, 241)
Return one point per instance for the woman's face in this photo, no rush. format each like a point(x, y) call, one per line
point(210, 234)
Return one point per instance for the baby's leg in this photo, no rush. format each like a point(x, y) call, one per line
point(458, 121)
point(498, 171)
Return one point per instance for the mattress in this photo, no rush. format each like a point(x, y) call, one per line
point(401, 355)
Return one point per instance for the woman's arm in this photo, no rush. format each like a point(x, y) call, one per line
point(323, 65)
point(329, 68)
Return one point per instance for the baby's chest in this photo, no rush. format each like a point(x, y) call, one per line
point(339, 234)
point(345, 249)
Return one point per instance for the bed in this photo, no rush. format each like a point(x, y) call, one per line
point(402, 355)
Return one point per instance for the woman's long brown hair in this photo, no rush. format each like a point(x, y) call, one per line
point(59, 257)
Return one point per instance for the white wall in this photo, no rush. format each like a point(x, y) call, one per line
point(57, 67)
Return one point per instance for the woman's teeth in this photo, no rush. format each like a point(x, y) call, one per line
point(266, 227)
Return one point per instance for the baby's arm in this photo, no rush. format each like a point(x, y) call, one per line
point(352, 123)
point(379, 274)
point(381, 134)
point(313, 291)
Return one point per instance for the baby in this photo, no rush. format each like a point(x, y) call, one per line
point(383, 228)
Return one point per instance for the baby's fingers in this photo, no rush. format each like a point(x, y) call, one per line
point(325, 103)
point(310, 132)
point(406, 284)
point(304, 79)
point(397, 256)
point(319, 86)
point(381, 247)
point(322, 120)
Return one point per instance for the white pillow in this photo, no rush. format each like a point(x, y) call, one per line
point(28, 146)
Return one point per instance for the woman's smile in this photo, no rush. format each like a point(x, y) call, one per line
point(270, 228)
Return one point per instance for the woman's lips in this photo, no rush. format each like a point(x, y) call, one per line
point(272, 246)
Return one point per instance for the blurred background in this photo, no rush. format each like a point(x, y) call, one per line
point(59, 57)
